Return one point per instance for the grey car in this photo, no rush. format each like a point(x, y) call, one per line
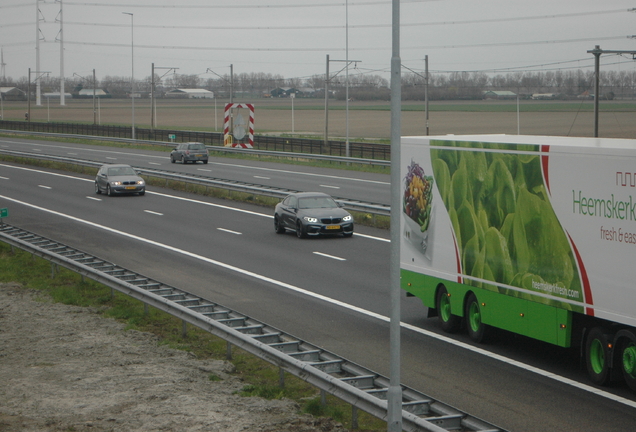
point(312, 214)
point(189, 152)
point(116, 179)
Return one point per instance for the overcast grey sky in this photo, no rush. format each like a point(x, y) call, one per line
point(293, 37)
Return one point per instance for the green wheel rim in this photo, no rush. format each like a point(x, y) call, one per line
point(474, 317)
point(445, 308)
point(597, 356)
point(629, 359)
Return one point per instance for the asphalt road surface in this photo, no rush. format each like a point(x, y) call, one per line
point(332, 292)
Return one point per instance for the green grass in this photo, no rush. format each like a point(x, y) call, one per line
point(261, 378)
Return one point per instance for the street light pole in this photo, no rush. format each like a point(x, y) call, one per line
point(132, 59)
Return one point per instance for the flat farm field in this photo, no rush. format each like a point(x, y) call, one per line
point(366, 120)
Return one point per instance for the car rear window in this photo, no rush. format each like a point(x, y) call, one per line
point(197, 147)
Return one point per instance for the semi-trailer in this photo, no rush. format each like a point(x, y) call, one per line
point(535, 235)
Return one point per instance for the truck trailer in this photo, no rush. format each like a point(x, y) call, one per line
point(535, 235)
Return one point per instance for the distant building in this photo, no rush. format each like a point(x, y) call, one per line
point(88, 94)
point(55, 95)
point(544, 96)
point(283, 92)
point(190, 94)
point(502, 94)
point(12, 94)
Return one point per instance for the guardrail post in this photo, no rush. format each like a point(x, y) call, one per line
point(145, 308)
point(52, 269)
point(184, 329)
point(228, 351)
point(323, 397)
point(354, 417)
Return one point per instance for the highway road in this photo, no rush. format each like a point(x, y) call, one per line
point(368, 187)
point(332, 292)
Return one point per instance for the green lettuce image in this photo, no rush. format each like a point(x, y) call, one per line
point(504, 224)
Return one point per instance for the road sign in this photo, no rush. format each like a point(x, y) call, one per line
point(4, 213)
point(172, 137)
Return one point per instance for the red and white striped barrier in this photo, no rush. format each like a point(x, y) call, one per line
point(250, 131)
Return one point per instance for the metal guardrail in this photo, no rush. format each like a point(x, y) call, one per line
point(354, 384)
point(293, 155)
point(374, 208)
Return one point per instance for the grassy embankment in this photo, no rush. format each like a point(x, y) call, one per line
point(261, 379)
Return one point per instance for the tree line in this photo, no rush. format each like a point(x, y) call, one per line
point(441, 86)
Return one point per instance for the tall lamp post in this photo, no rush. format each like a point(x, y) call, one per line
point(132, 61)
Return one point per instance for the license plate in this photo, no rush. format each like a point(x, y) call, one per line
point(199, 155)
point(332, 227)
point(130, 188)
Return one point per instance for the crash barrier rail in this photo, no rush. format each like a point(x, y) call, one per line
point(261, 142)
point(362, 388)
point(232, 185)
point(254, 152)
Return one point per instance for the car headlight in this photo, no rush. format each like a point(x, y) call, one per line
point(140, 182)
point(347, 218)
point(311, 219)
point(116, 183)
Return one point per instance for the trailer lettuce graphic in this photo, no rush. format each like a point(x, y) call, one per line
point(504, 224)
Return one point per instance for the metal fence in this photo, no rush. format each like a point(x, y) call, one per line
point(272, 143)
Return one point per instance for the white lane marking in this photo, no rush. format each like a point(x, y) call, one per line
point(229, 231)
point(93, 198)
point(72, 154)
point(45, 187)
point(180, 198)
point(263, 178)
point(111, 158)
point(203, 169)
point(330, 187)
point(4, 178)
point(153, 212)
point(330, 256)
point(37, 150)
point(153, 163)
point(350, 307)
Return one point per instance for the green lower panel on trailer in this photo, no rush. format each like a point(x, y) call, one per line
point(525, 317)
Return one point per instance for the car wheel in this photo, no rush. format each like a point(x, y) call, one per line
point(109, 192)
point(348, 234)
point(183, 160)
point(97, 190)
point(278, 227)
point(205, 162)
point(172, 159)
point(142, 193)
point(300, 232)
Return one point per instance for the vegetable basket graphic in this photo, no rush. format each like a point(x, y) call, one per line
point(417, 207)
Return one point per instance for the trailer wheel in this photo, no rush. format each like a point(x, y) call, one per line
point(476, 328)
point(628, 363)
point(597, 356)
point(450, 323)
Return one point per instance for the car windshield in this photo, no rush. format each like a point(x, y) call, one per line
point(316, 202)
point(121, 171)
point(197, 147)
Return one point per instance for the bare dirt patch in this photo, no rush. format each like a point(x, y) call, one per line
point(66, 368)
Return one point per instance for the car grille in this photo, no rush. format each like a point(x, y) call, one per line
point(331, 220)
point(129, 182)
